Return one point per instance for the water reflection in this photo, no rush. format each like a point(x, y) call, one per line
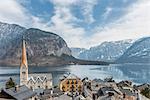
point(137, 73)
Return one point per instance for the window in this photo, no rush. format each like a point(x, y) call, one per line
point(67, 82)
point(72, 82)
point(72, 88)
point(46, 87)
point(63, 88)
point(23, 73)
point(96, 85)
point(76, 82)
point(79, 88)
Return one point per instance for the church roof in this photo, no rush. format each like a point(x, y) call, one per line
point(40, 77)
point(21, 93)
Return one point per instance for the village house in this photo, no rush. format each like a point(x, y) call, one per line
point(98, 88)
point(71, 83)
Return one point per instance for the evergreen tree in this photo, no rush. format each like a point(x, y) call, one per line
point(146, 92)
point(10, 83)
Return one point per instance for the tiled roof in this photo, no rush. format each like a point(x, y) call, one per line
point(127, 92)
point(98, 80)
point(21, 93)
point(106, 89)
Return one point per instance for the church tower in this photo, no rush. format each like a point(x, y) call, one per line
point(23, 66)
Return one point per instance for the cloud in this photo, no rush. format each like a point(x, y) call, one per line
point(64, 2)
point(107, 12)
point(61, 23)
point(12, 12)
point(135, 24)
point(88, 6)
point(64, 22)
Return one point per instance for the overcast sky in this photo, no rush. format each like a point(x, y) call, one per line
point(82, 23)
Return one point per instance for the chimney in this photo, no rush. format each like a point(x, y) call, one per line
point(16, 88)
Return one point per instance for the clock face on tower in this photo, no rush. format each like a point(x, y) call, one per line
point(24, 72)
point(24, 69)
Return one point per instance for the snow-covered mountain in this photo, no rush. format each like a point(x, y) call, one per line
point(139, 52)
point(76, 51)
point(9, 32)
point(106, 51)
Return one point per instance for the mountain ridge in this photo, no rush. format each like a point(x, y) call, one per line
point(43, 48)
point(139, 52)
point(106, 51)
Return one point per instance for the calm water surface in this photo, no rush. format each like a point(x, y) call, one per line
point(138, 73)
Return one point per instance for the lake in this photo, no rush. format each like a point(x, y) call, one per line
point(138, 73)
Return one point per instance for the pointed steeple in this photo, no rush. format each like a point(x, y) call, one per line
point(23, 66)
point(24, 56)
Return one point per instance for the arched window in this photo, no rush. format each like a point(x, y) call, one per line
point(79, 88)
point(68, 82)
point(63, 88)
point(23, 73)
point(76, 82)
point(72, 88)
point(72, 82)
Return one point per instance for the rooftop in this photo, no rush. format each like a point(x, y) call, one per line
point(20, 92)
point(72, 76)
point(40, 77)
point(69, 76)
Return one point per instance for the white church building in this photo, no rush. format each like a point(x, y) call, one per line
point(33, 81)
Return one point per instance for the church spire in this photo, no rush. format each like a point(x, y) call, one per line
point(24, 56)
point(23, 66)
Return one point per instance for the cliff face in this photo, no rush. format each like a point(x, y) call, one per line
point(42, 47)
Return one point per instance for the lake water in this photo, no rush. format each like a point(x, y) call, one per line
point(138, 73)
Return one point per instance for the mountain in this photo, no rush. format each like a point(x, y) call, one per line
point(8, 33)
point(43, 48)
point(139, 52)
point(40, 44)
point(107, 51)
point(76, 51)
